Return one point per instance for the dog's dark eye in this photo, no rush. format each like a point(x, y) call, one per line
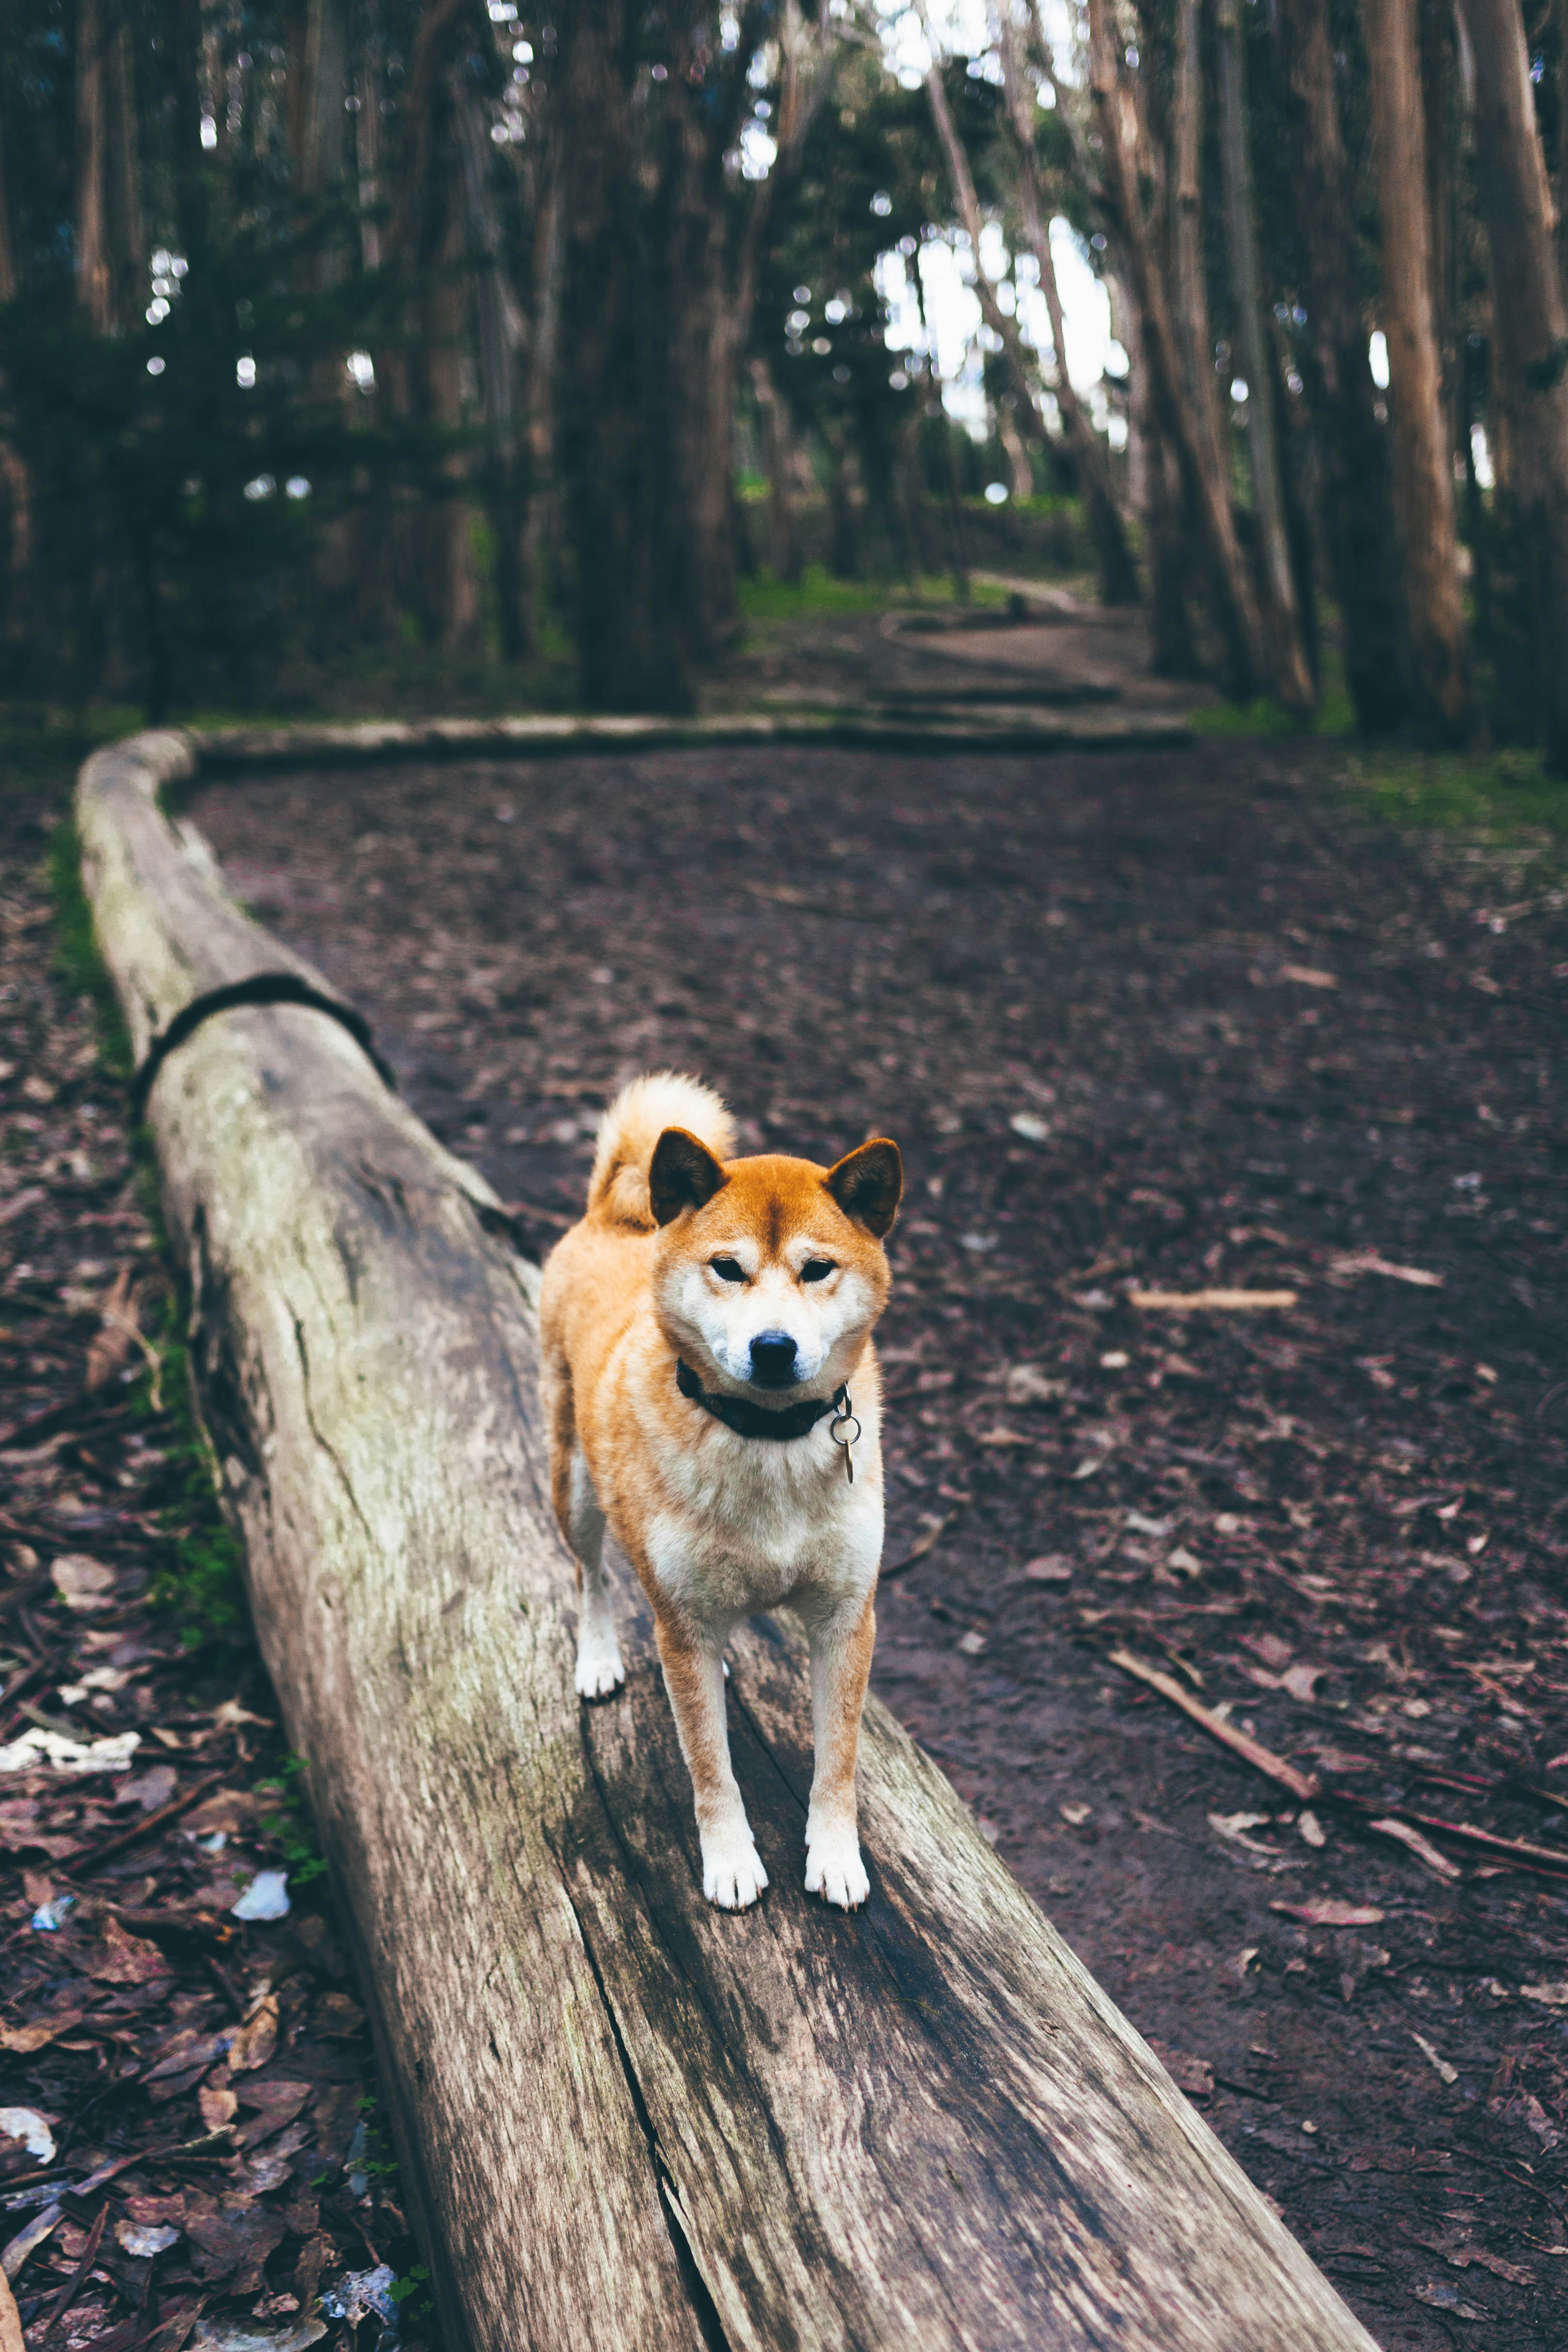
point(728, 1269)
point(817, 1269)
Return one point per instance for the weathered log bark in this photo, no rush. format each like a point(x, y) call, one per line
point(627, 2119)
point(1423, 460)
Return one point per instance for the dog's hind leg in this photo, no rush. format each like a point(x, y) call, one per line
point(599, 1667)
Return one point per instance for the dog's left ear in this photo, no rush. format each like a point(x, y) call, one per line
point(869, 1184)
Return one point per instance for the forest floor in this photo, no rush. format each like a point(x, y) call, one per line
point(1143, 1022)
point(190, 2158)
point(1187, 1021)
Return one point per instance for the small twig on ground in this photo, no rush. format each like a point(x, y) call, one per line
point(89, 1857)
point(1302, 1785)
point(73, 2285)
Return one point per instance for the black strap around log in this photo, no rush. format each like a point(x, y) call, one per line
point(261, 988)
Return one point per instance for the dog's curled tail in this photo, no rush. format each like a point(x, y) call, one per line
point(617, 1189)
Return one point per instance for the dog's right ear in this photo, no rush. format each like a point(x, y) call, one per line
point(682, 1174)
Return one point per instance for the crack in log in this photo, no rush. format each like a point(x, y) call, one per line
point(260, 988)
point(327, 1447)
point(704, 2310)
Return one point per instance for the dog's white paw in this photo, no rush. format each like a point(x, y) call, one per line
point(732, 1873)
point(834, 1868)
point(599, 1670)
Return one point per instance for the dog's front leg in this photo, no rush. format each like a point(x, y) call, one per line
point(732, 1873)
point(841, 1644)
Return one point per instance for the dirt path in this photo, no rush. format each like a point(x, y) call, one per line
point(1176, 1021)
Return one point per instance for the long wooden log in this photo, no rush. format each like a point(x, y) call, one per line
point(627, 2119)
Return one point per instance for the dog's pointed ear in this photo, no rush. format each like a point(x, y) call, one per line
point(682, 1174)
point(868, 1183)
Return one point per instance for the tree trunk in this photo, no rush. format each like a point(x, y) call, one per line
point(1289, 675)
point(94, 259)
point(1118, 573)
point(1230, 584)
point(632, 649)
point(1531, 315)
point(783, 551)
point(1422, 464)
point(1356, 502)
point(1189, 284)
point(626, 2120)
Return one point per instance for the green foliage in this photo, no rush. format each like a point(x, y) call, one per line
point(290, 1823)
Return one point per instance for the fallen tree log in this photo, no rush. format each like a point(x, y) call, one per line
point(627, 2119)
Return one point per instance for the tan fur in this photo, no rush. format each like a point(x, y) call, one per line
point(716, 1524)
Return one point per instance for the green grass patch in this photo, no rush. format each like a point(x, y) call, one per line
point(1497, 796)
point(766, 597)
point(291, 1824)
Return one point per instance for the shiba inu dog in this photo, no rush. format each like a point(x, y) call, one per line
point(700, 1329)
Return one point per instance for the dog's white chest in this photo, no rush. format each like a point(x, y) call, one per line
point(753, 1524)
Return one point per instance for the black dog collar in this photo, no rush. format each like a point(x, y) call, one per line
point(748, 1419)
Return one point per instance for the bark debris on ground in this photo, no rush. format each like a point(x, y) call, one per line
point(1144, 1025)
point(190, 2158)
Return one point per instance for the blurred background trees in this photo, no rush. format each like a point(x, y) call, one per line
point(497, 347)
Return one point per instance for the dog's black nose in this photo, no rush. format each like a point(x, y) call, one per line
point(772, 1360)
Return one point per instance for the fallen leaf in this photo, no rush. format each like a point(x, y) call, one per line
point(1422, 1848)
point(122, 1959)
point(218, 2105)
point(1232, 1825)
point(1028, 1384)
point(1002, 1436)
point(337, 2018)
point(27, 2240)
point(1032, 1129)
point(21, 2039)
point(256, 2039)
point(1551, 1996)
point(1049, 1569)
point(359, 2294)
point(237, 2244)
point(81, 1581)
point(148, 1789)
point(1309, 975)
point(37, 1745)
point(31, 2128)
point(1185, 1562)
point(1310, 1827)
point(1449, 2074)
point(1075, 1813)
point(1192, 2075)
point(1330, 1914)
point(1443, 2297)
point(266, 1897)
point(1269, 1647)
point(118, 1334)
point(1353, 1262)
point(1300, 1682)
point(136, 2240)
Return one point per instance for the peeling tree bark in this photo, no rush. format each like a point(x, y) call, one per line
point(629, 2119)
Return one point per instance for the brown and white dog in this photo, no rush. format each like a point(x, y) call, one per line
point(698, 1329)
